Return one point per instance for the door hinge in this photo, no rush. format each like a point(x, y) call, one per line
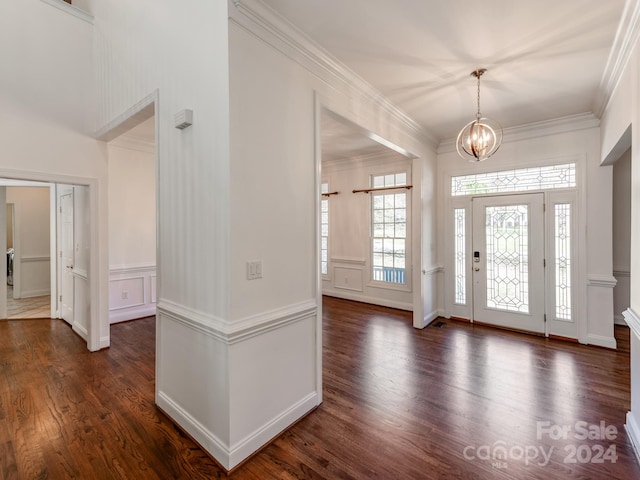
point(60, 253)
point(60, 297)
point(545, 318)
point(60, 208)
point(544, 262)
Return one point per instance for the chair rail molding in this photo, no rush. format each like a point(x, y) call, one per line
point(596, 280)
point(231, 332)
point(633, 320)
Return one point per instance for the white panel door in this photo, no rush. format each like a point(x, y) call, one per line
point(508, 261)
point(66, 256)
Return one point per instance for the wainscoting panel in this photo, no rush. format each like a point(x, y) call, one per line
point(34, 277)
point(132, 293)
point(348, 278)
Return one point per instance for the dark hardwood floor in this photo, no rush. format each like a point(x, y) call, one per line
point(398, 403)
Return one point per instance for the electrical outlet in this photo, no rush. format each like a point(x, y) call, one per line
point(125, 295)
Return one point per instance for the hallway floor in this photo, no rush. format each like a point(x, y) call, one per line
point(398, 402)
point(32, 307)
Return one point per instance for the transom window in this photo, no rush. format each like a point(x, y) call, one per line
point(389, 229)
point(522, 179)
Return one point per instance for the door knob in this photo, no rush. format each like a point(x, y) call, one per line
point(70, 267)
point(476, 269)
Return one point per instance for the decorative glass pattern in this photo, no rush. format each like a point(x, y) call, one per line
point(389, 229)
point(522, 179)
point(460, 294)
point(562, 216)
point(324, 231)
point(507, 236)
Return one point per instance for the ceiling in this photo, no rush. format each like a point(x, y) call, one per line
point(545, 58)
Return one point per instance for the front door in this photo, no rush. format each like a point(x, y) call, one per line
point(508, 261)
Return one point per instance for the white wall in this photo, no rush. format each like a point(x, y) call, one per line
point(179, 52)
point(254, 346)
point(47, 119)
point(560, 141)
point(622, 234)
point(32, 260)
point(622, 111)
point(349, 231)
point(132, 207)
point(132, 232)
point(274, 201)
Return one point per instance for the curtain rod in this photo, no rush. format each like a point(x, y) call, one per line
point(367, 190)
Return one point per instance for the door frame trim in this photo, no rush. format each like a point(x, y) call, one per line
point(450, 308)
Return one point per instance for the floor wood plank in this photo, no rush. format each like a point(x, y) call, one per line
point(398, 403)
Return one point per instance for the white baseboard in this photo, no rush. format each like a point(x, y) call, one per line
point(35, 293)
point(104, 342)
point(430, 318)
point(253, 442)
point(232, 457)
point(133, 313)
point(601, 341)
point(633, 431)
point(80, 330)
point(207, 440)
point(371, 300)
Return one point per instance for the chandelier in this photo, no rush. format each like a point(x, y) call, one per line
point(481, 137)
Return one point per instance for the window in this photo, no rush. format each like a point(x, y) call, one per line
point(562, 233)
point(522, 179)
point(389, 229)
point(324, 231)
point(460, 294)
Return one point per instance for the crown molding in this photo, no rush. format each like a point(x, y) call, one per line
point(268, 25)
point(571, 123)
point(624, 42)
point(70, 9)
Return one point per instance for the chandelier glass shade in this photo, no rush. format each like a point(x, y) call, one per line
point(481, 137)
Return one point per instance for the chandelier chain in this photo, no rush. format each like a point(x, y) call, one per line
point(478, 115)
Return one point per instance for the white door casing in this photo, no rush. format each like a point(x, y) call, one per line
point(508, 261)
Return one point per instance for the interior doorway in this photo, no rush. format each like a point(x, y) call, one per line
point(132, 222)
point(370, 234)
point(28, 262)
point(37, 274)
